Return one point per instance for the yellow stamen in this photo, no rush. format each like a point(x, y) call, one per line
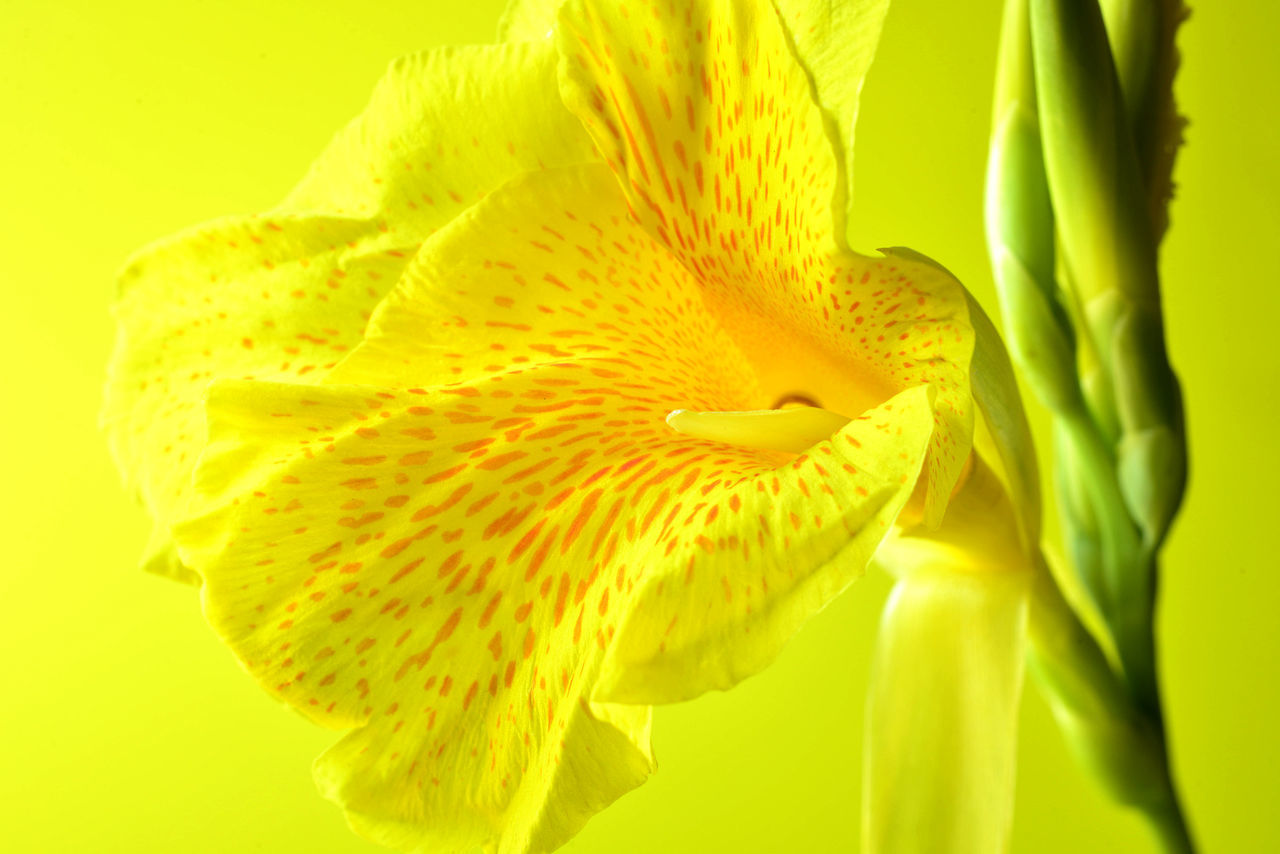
point(794, 430)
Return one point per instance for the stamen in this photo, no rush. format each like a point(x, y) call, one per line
point(794, 430)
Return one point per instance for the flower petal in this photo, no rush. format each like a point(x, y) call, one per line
point(789, 544)
point(451, 590)
point(708, 121)
point(287, 294)
point(272, 297)
point(1006, 440)
point(549, 268)
point(454, 569)
point(404, 565)
point(942, 711)
point(442, 129)
point(528, 20)
point(942, 716)
point(835, 42)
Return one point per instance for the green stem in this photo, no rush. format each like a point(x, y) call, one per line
point(1064, 161)
point(1170, 825)
point(1121, 743)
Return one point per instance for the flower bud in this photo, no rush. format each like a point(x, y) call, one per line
point(1040, 342)
point(1090, 159)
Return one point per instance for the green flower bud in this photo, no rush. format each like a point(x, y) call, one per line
point(1142, 40)
point(1153, 472)
point(1080, 534)
point(1039, 341)
point(1090, 160)
point(1151, 453)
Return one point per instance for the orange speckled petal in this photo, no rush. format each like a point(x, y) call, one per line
point(414, 567)
point(285, 295)
point(550, 268)
point(705, 116)
point(272, 297)
point(453, 569)
point(835, 42)
point(769, 552)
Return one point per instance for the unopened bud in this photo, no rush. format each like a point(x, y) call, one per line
point(1039, 341)
point(1152, 468)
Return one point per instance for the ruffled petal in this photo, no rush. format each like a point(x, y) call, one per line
point(286, 295)
point(272, 297)
point(708, 121)
point(442, 129)
point(488, 536)
point(408, 566)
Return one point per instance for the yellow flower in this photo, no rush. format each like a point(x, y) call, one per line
point(437, 502)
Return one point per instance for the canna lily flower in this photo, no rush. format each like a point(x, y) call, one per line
point(551, 393)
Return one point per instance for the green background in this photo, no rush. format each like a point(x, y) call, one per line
point(125, 727)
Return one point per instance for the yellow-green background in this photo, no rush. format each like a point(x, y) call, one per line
point(124, 727)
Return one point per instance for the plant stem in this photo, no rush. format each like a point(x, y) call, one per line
point(1121, 743)
point(1170, 825)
